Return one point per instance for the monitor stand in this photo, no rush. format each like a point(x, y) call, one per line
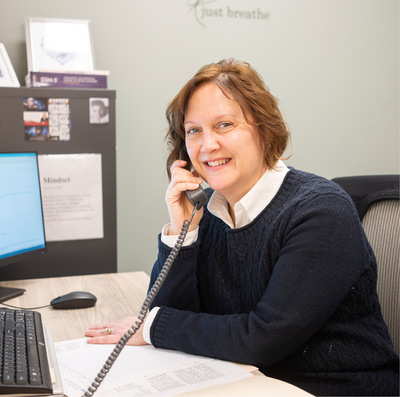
point(8, 293)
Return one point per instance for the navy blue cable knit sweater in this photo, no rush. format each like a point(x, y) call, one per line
point(293, 292)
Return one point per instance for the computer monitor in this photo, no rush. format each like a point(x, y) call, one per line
point(22, 232)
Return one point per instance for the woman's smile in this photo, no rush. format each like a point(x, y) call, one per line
point(216, 163)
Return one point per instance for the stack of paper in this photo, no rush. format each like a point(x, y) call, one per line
point(140, 370)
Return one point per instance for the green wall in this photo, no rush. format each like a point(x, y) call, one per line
point(334, 65)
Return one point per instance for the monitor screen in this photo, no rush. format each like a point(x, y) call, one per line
point(21, 215)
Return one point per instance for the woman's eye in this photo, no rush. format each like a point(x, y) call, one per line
point(192, 131)
point(225, 126)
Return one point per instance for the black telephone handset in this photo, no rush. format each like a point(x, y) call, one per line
point(197, 197)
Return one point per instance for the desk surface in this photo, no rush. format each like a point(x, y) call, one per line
point(119, 295)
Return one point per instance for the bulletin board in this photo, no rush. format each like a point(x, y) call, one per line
point(76, 129)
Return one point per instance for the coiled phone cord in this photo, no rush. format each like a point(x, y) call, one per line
point(143, 310)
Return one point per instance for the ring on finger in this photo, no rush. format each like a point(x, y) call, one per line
point(108, 331)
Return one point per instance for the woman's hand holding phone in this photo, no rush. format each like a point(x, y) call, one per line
point(179, 206)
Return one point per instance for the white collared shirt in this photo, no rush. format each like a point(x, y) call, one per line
point(250, 206)
point(246, 210)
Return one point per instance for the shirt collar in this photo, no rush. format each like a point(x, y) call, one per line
point(250, 206)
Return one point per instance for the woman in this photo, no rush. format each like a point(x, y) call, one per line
point(275, 270)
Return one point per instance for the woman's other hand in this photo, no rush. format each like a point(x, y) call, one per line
point(111, 333)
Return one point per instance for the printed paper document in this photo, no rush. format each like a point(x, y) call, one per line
point(140, 370)
point(71, 186)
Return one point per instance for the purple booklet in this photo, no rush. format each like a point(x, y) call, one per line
point(66, 80)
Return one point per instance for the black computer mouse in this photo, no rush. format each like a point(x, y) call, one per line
point(74, 300)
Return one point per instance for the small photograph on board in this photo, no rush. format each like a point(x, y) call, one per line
point(46, 119)
point(99, 110)
point(35, 104)
point(36, 126)
point(36, 119)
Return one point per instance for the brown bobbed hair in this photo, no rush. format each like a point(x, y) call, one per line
point(240, 82)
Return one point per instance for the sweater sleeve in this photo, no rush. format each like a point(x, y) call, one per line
point(179, 289)
point(322, 254)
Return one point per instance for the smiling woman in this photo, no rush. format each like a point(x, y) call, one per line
point(276, 270)
point(246, 89)
point(225, 149)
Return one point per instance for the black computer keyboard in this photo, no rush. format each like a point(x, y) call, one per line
point(24, 368)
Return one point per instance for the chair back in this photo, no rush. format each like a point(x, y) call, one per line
point(377, 201)
point(382, 227)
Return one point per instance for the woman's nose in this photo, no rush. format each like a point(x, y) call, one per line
point(210, 142)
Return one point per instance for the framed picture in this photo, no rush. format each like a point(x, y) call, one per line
point(61, 45)
point(8, 78)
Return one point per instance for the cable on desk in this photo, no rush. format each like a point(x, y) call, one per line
point(143, 310)
point(24, 308)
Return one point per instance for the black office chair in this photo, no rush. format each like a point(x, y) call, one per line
point(377, 201)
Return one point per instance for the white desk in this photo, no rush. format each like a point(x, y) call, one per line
point(120, 295)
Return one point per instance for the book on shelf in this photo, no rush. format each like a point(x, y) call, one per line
point(44, 78)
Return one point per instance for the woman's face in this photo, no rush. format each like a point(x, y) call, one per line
point(95, 114)
point(224, 149)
